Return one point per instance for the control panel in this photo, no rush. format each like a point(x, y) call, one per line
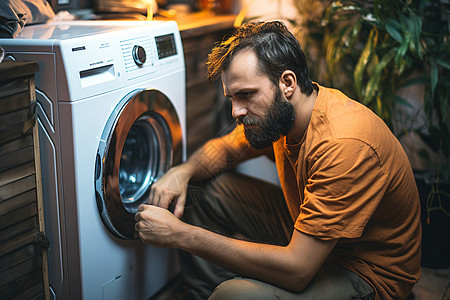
point(117, 58)
point(137, 53)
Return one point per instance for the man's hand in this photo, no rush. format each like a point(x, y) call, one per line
point(157, 226)
point(171, 188)
point(291, 267)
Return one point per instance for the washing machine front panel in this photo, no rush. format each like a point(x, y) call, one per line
point(87, 261)
point(141, 141)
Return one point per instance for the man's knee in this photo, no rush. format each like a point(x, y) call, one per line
point(243, 288)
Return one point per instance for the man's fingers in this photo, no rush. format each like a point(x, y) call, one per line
point(179, 207)
point(151, 196)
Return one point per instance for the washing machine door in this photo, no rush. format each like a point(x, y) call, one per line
point(141, 141)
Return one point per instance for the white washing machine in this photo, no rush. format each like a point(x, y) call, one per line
point(111, 114)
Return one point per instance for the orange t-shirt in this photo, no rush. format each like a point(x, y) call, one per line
point(350, 179)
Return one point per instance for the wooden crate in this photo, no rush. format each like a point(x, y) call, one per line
point(23, 260)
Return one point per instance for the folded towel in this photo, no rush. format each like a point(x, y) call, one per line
point(15, 14)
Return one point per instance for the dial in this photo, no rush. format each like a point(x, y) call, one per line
point(139, 55)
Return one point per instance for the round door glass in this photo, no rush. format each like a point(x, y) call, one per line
point(143, 160)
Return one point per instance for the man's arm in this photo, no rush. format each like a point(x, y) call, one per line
point(221, 154)
point(214, 157)
point(290, 267)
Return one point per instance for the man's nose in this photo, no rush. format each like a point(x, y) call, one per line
point(238, 110)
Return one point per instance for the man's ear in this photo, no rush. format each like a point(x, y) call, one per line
point(288, 83)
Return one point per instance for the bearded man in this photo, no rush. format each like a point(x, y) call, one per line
point(345, 223)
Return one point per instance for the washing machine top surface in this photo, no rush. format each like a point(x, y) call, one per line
point(63, 30)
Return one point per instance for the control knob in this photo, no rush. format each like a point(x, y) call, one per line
point(139, 55)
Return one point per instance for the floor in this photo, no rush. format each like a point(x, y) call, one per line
point(433, 285)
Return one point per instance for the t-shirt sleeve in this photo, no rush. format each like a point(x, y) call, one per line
point(345, 185)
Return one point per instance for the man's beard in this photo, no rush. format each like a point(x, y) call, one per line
point(277, 122)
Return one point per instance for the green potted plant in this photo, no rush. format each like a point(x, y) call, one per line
point(377, 51)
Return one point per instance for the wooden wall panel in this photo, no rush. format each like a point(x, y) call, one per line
point(22, 254)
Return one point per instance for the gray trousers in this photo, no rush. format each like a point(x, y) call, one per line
point(239, 206)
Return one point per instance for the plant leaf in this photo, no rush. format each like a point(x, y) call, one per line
point(422, 4)
point(401, 101)
point(337, 10)
point(403, 48)
point(443, 99)
point(429, 140)
point(443, 63)
point(427, 103)
point(434, 76)
point(414, 81)
point(424, 154)
point(379, 107)
point(416, 23)
point(358, 74)
point(373, 84)
point(392, 27)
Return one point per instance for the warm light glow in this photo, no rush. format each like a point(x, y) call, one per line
point(149, 9)
point(241, 16)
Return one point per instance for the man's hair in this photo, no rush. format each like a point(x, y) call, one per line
point(276, 48)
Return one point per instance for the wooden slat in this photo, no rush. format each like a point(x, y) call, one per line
point(12, 133)
point(10, 290)
point(16, 145)
point(16, 257)
point(16, 158)
point(40, 207)
point(14, 69)
point(15, 96)
point(17, 202)
point(36, 292)
point(16, 117)
point(16, 173)
point(18, 229)
point(18, 242)
point(20, 270)
point(18, 215)
point(17, 187)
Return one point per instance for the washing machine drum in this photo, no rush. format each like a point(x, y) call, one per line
point(141, 141)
